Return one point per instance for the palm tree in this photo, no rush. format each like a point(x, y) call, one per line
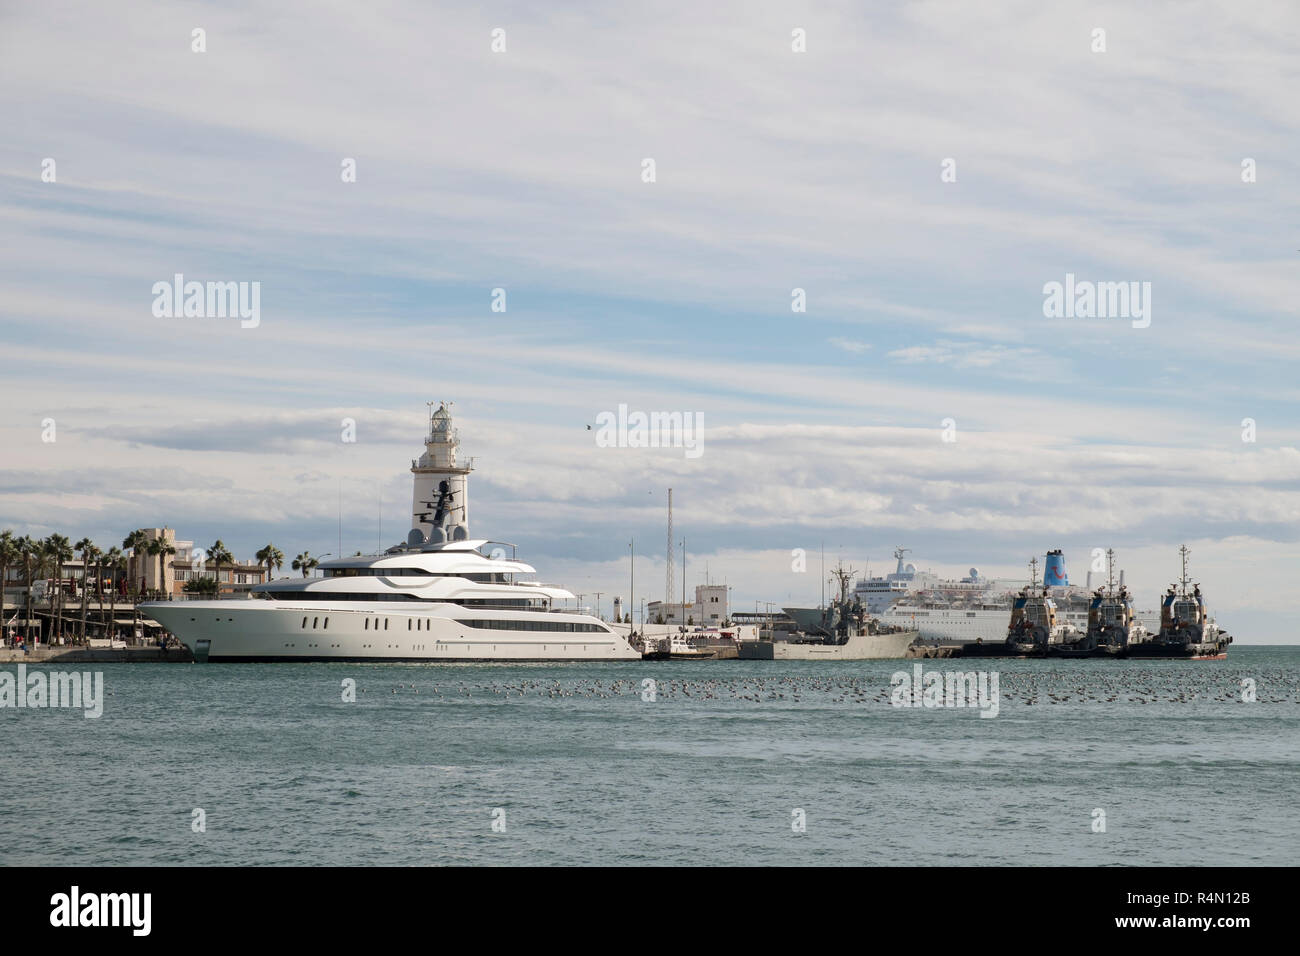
point(115, 561)
point(29, 551)
point(92, 556)
point(272, 557)
point(305, 563)
point(9, 554)
point(218, 554)
point(59, 550)
point(137, 542)
point(45, 558)
point(164, 549)
point(99, 583)
point(87, 548)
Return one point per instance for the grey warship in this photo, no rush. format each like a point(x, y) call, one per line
point(842, 632)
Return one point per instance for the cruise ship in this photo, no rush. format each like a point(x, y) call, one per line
point(439, 596)
point(972, 608)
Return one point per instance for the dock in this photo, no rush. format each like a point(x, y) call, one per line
point(61, 654)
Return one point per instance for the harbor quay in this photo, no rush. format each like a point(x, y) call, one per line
point(57, 654)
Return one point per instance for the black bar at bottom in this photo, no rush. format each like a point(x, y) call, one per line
point(376, 905)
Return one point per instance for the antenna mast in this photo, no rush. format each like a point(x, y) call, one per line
point(668, 581)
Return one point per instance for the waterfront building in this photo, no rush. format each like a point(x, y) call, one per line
point(711, 607)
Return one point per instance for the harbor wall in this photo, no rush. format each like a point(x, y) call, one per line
point(96, 655)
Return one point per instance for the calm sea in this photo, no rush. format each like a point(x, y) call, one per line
point(568, 764)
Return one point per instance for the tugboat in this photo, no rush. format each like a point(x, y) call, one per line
point(1187, 630)
point(1112, 624)
point(1034, 628)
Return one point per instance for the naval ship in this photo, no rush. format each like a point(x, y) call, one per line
point(843, 631)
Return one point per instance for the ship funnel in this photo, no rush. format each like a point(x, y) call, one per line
point(1054, 575)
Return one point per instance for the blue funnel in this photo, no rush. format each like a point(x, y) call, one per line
point(1054, 575)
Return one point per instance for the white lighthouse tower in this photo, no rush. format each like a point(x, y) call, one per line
point(436, 465)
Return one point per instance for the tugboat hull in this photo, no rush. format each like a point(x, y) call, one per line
point(1178, 652)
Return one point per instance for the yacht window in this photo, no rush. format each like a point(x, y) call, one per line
point(304, 622)
point(385, 624)
point(367, 625)
point(313, 622)
point(382, 573)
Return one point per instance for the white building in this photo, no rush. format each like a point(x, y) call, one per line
point(711, 607)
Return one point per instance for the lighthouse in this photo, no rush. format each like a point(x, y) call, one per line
point(437, 465)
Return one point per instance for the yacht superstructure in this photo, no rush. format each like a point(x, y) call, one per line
point(440, 596)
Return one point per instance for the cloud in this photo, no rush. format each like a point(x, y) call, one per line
point(850, 345)
point(1026, 364)
point(776, 171)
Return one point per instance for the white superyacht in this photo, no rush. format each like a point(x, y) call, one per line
point(440, 596)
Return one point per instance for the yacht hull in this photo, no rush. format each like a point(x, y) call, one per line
point(284, 631)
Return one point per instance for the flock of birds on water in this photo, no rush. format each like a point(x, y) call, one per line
point(1019, 687)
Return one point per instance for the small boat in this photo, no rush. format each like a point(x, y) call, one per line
point(680, 648)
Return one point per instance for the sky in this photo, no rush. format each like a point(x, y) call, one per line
point(920, 170)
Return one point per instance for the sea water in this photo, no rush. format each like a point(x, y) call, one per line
point(712, 762)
